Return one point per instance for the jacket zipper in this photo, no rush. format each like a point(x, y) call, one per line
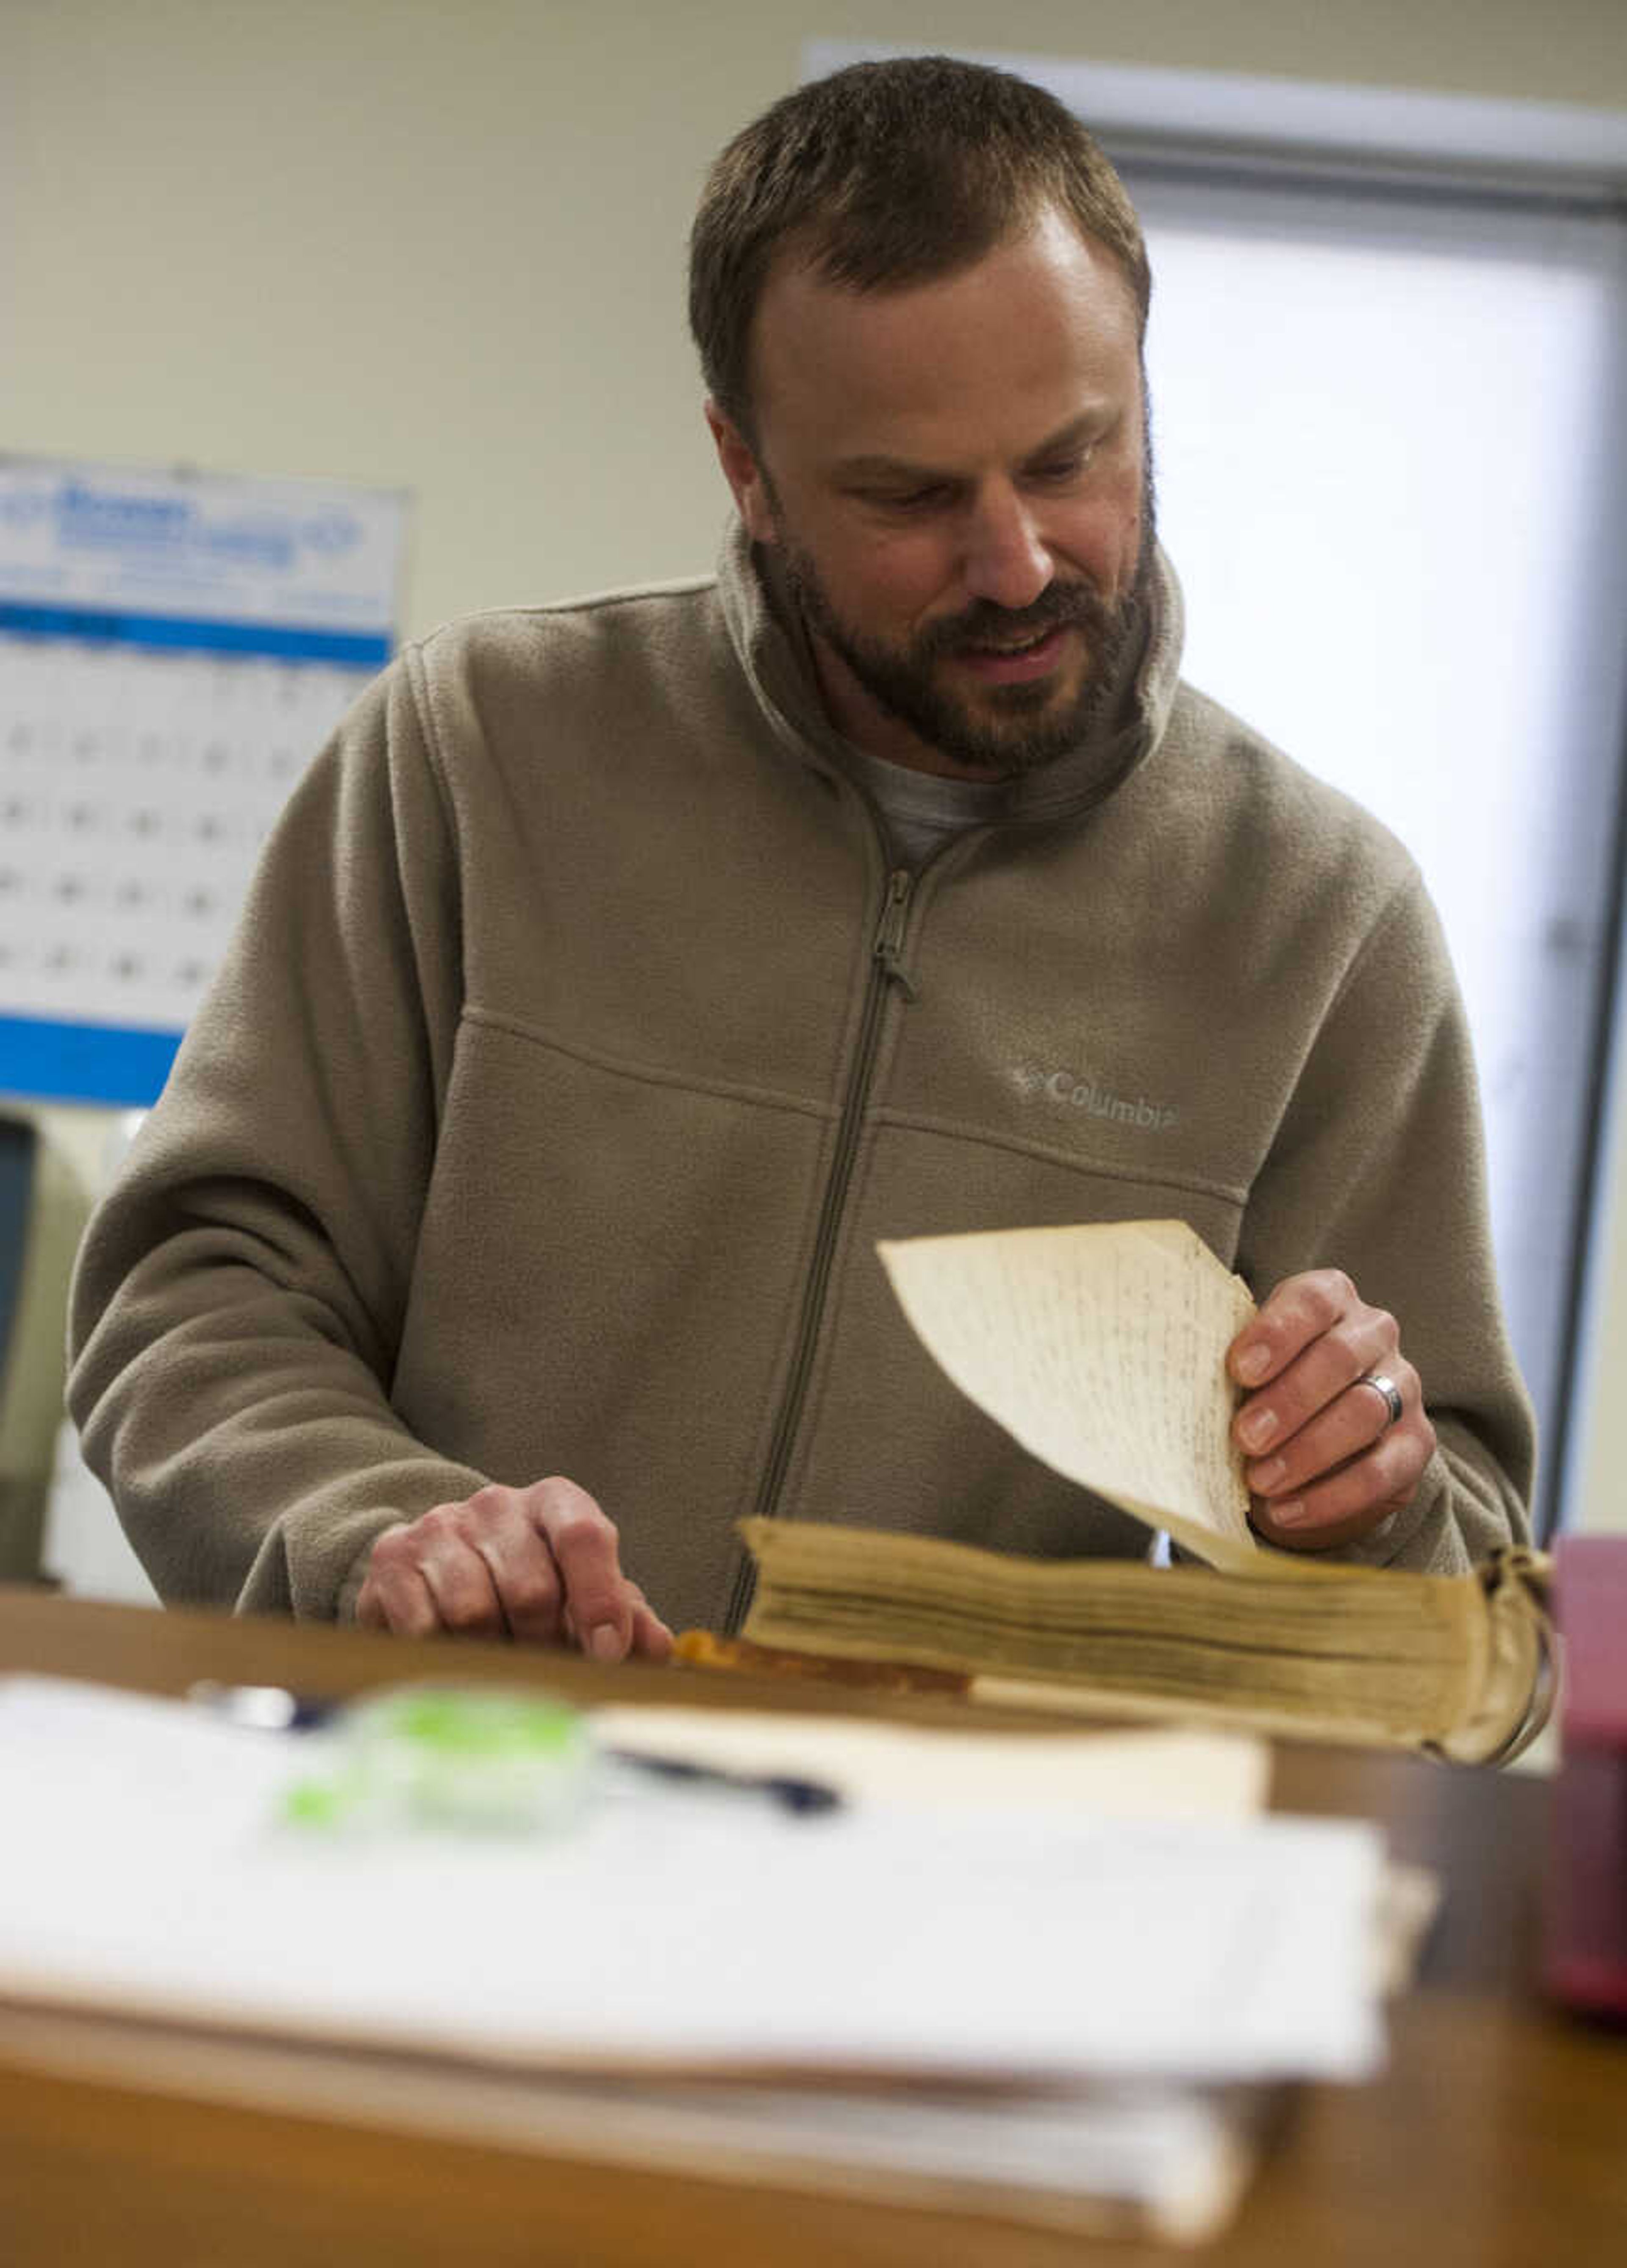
point(886, 969)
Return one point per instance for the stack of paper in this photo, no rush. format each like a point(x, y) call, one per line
point(1082, 1972)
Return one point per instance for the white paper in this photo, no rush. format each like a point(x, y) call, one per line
point(143, 1872)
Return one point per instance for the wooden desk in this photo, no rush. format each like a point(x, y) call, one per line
point(1497, 2138)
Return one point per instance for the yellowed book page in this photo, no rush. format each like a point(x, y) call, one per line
point(1102, 1349)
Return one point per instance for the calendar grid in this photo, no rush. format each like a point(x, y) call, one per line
point(145, 753)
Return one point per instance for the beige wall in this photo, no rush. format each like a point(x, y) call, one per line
point(439, 247)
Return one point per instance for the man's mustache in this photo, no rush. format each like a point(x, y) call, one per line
point(985, 624)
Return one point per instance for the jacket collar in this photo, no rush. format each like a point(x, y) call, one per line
point(772, 648)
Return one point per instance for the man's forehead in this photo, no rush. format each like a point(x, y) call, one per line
point(1043, 328)
point(799, 268)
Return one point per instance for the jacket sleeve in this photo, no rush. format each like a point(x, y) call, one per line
point(240, 1292)
point(1378, 1168)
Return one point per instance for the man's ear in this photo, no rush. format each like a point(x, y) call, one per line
point(743, 474)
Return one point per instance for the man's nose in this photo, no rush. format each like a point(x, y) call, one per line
point(1007, 560)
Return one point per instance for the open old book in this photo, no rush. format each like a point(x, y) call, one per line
point(1102, 1350)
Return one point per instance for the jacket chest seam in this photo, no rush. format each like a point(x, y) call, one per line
point(518, 1027)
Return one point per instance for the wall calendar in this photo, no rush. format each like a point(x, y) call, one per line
point(174, 647)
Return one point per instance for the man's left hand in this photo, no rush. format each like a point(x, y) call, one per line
point(1326, 1464)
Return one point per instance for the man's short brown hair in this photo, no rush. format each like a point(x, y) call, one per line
point(884, 175)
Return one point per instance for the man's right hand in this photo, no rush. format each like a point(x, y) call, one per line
point(537, 1564)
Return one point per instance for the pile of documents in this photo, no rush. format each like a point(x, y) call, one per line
point(1049, 1977)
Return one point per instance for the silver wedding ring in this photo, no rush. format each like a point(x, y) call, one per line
point(1389, 1393)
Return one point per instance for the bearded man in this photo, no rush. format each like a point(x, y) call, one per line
point(625, 969)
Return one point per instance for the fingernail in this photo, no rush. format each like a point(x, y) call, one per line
point(1290, 1514)
point(1254, 1365)
point(1257, 1428)
point(605, 1643)
point(1267, 1477)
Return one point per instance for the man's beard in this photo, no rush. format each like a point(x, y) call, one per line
point(1013, 727)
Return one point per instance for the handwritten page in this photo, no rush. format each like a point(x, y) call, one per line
point(1102, 1349)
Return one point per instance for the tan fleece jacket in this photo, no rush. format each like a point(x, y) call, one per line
point(575, 1048)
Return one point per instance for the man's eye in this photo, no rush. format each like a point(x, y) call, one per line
point(930, 494)
point(1059, 470)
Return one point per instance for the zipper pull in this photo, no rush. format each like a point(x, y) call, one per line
point(890, 936)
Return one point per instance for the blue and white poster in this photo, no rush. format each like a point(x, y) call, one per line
point(174, 647)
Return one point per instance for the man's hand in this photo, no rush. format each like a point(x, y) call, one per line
point(1326, 1462)
point(538, 1563)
